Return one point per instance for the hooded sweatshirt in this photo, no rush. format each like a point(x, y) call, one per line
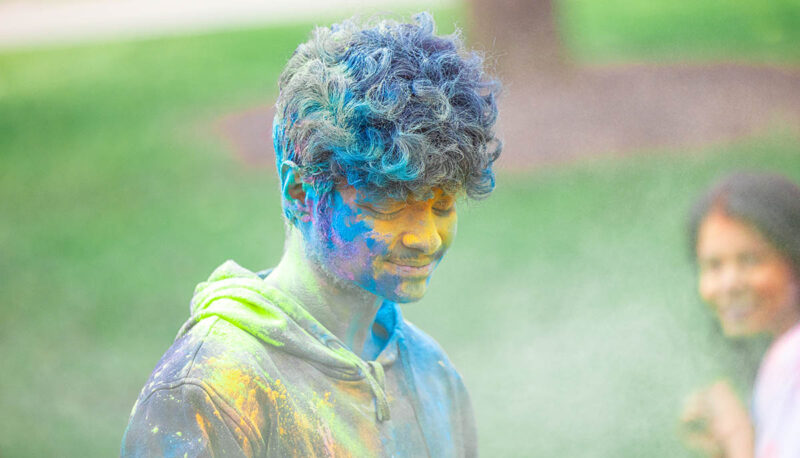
point(252, 373)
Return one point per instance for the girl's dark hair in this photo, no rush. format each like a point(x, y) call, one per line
point(768, 201)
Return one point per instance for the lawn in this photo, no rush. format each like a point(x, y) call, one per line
point(600, 31)
point(567, 301)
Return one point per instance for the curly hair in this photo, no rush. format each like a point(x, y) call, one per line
point(390, 107)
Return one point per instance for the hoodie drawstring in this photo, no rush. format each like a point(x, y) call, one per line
point(373, 373)
point(377, 377)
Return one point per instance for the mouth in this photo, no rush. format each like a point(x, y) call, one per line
point(412, 267)
point(736, 313)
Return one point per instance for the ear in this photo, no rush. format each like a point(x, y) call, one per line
point(293, 192)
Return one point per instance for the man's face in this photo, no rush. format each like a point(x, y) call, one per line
point(749, 284)
point(387, 247)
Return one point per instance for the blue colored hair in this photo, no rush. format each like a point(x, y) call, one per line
point(389, 107)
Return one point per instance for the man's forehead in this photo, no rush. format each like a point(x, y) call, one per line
point(371, 194)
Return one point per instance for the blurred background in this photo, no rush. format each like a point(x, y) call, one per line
point(135, 157)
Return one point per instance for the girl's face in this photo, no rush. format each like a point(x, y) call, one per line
point(749, 284)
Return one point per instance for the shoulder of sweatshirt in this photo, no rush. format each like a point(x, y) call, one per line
point(210, 347)
point(426, 352)
point(200, 395)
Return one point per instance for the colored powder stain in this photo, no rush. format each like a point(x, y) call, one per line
point(202, 425)
point(262, 320)
point(238, 385)
point(230, 380)
point(330, 426)
point(325, 414)
point(276, 394)
point(217, 415)
point(292, 425)
point(327, 441)
point(240, 401)
point(307, 278)
point(154, 430)
point(323, 402)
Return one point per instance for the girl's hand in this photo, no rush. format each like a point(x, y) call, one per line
point(715, 422)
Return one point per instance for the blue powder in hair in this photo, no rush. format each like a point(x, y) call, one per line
point(389, 107)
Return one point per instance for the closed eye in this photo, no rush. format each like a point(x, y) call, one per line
point(382, 212)
point(444, 210)
point(444, 206)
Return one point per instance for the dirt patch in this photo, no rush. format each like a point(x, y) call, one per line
point(249, 134)
point(606, 111)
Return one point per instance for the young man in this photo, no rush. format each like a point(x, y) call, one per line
point(379, 129)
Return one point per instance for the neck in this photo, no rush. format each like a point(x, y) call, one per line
point(789, 314)
point(346, 310)
point(785, 324)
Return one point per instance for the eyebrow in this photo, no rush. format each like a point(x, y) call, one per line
point(367, 201)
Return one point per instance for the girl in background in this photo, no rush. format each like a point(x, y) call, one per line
point(745, 233)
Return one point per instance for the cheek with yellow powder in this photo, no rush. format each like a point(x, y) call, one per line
point(368, 251)
point(413, 256)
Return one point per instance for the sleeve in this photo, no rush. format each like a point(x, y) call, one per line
point(778, 435)
point(468, 429)
point(184, 421)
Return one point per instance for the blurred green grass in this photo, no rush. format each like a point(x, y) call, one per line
point(567, 301)
point(668, 30)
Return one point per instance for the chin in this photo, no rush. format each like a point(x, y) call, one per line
point(406, 299)
point(739, 330)
point(406, 292)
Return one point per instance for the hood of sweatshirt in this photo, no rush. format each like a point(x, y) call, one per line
point(243, 299)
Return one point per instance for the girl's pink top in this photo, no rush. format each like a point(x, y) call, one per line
point(776, 399)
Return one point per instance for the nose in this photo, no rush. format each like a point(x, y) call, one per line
point(731, 279)
point(422, 235)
